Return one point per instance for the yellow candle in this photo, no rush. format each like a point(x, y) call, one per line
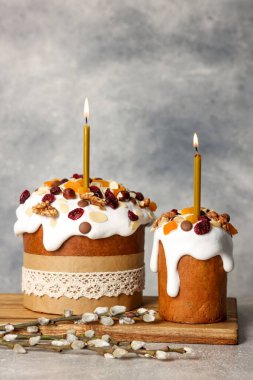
point(197, 178)
point(86, 146)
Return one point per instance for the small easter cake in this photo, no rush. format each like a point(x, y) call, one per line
point(82, 248)
point(192, 258)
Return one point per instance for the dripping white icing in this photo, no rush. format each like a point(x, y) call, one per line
point(179, 243)
point(54, 235)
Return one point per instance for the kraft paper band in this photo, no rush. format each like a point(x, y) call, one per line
point(77, 264)
point(49, 305)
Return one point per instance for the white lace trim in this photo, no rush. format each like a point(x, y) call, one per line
point(76, 285)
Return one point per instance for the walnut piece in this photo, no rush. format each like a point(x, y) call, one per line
point(96, 201)
point(45, 209)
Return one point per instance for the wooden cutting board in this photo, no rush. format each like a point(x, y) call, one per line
point(13, 311)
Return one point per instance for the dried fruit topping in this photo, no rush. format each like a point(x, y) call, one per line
point(76, 213)
point(152, 206)
point(168, 227)
point(55, 183)
point(139, 196)
point(111, 200)
point(69, 193)
point(96, 191)
point(48, 198)
point(186, 225)
point(108, 193)
point(124, 196)
point(132, 216)
point(175, 211)
point(133, 200)
point(24, 196)
point(55, 190)
point(202, 227)
point(64, 180)
point(77, 176)
point(187, 210)
point(204, 217)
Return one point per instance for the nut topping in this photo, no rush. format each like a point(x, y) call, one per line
point(45, 209)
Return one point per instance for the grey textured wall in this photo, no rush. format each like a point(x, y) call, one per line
point(154, 72)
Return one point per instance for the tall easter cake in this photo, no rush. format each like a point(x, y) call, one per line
point(192, 259)
point(82, 249)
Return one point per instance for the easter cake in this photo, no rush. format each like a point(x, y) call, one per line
point(82, 248)
point(192, 258)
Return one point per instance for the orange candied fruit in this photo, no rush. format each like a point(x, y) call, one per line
point(170, 226)
point(73, 184)
point(102, 182)
point(50, 183)
point(232, 229)
point(187, 210)
point(152, 206)
point(117, 191)
point(191, 218)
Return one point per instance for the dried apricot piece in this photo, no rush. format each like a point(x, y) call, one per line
point(191, 218)
point(73, 185)
point(187, 210)
point(50, 183)
point(152, 206)
point(168, 227)
point(232, 229)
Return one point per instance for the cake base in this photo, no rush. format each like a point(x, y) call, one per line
point(202, 294)
point(13, 311)
point(82, 305)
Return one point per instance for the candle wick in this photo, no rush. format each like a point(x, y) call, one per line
point(86, 120)
point(196, 148)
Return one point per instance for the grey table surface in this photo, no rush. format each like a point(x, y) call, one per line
point(205, 361)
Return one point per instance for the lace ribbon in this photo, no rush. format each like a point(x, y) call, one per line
point(76, 285)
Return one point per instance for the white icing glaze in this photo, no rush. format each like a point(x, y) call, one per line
point(54, 234)
point(179, 243)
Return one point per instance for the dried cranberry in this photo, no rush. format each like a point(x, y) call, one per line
point(55, 190)
point(139, 196)
point(124, 196)
point(112, 202)
point(204, 217)
point(96, 191)
point(69, 193)
point(108, 193)
point(24, 196)
point(76, 213)
point(64, 180)
point(175, 211)
point(132, 216)
point(202, 227)
point(77, 176)
point(48, 198)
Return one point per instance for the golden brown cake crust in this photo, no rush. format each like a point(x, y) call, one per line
point(202, 295)
point(83, 246)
